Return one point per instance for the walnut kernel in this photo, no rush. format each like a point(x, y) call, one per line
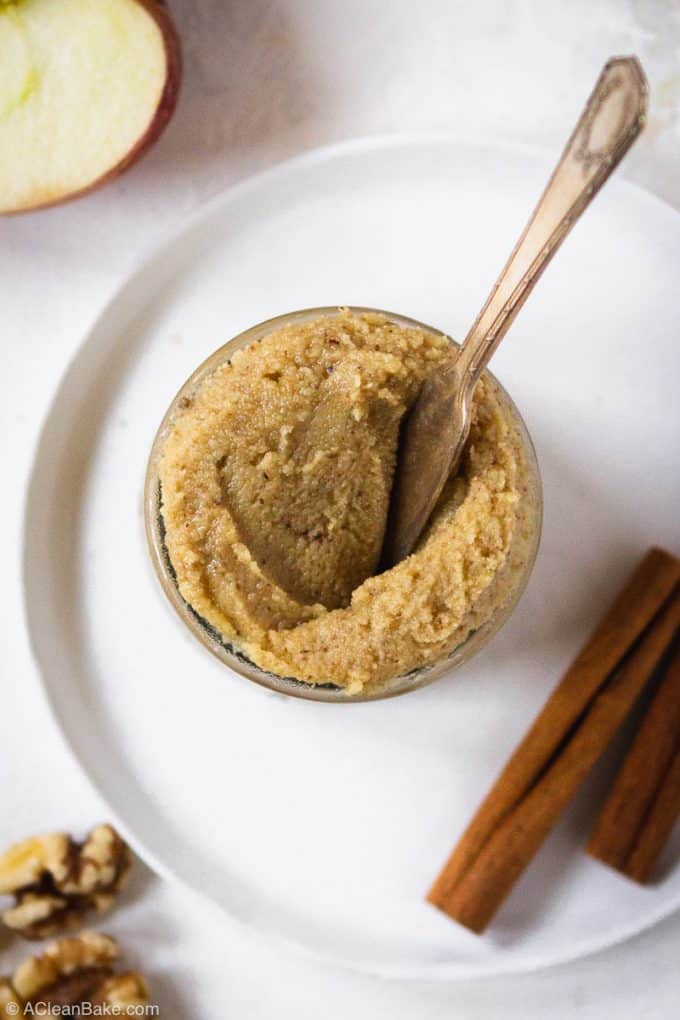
point(70, 972)
point(55, 880)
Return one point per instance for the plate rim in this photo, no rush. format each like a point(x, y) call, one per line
point(441, 971)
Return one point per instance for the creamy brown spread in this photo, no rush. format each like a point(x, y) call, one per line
point(276, 477)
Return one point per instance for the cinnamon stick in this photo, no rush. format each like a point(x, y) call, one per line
point(660, 822)
point(644, 802)
point(568, 736)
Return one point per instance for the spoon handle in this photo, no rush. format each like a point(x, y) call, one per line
point(437, 426)
point(611, 121)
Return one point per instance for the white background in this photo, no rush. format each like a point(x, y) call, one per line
point(264, 80)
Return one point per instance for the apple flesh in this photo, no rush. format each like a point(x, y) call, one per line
point(86, 87)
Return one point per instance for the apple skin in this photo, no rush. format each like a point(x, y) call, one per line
point(164, 111)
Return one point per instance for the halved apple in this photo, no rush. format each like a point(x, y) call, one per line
point(86, 87)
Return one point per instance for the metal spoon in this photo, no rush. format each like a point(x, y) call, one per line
point(436, 429)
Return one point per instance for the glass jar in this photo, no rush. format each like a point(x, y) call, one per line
point(513, 576)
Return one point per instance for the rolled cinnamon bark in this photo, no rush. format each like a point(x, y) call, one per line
point(662, 818)
point(644, 802)
point(568, 736)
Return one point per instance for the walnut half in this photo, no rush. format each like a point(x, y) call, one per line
point(72, 972)
point(55, 880)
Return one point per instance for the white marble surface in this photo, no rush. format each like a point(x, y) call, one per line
point(265, 79)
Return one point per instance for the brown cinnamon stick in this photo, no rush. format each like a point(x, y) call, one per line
point(568, 736)
point(660, 822)
point(644, 802)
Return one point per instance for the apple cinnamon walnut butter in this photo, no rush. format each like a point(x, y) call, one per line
point(275, 480)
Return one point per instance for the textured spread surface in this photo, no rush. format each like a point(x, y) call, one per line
point(276, 477)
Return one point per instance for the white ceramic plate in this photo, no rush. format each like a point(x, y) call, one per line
point(325, 824)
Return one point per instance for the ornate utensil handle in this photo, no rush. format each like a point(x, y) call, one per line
point(438, 424)
point(611, 121)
